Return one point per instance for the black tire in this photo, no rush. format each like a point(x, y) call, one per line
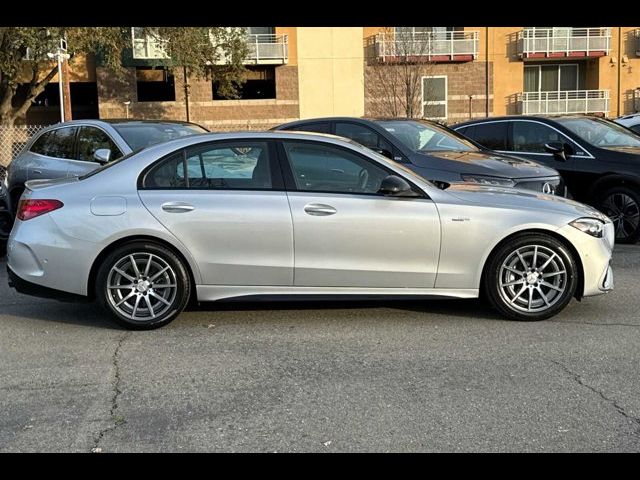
point(530, 246)
point(622, 205)
point(174, 304)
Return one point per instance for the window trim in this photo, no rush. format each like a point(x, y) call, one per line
point(291, 185)
point(277, 182)
point(435, 102)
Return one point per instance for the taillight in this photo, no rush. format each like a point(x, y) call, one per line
point(28, 209)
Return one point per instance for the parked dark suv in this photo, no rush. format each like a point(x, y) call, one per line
point(436, 152)
point(598, 159)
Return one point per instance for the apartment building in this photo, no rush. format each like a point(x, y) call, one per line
point(302, 72)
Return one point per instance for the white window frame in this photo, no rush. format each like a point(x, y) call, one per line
point(539, 67)
point(435, 102)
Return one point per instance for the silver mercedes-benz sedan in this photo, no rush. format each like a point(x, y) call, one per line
point(218, 216)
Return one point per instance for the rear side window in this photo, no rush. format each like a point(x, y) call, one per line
point(490, 135)
point(240, 166)
point(57, 143)
point(91, 139)
point(636, 128)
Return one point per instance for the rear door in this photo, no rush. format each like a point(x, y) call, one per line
point(225, 201)
point(51, 153)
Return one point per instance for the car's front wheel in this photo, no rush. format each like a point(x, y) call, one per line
point(622, 206)
point(530, 277)
point(143, 285)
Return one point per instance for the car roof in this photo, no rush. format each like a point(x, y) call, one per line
point(116, 121)
point(545, 118)
point(363, 120)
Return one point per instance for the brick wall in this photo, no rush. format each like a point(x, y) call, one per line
point(463, 79)
point(114, 90)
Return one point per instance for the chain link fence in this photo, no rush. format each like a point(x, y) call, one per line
point(12, 139)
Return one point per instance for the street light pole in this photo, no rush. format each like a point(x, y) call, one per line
point(60, 55)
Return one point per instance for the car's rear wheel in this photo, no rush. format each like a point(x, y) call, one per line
point(622, 206)
point(530, 277)
point(143, 285)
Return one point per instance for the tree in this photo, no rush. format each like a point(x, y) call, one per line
point(395, 69)
point(23, 56)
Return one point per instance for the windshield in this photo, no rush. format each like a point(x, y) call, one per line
point(142, 135)
point(601, 133)
point(419, 136)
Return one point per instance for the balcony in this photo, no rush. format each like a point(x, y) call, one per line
point(564, 102)
point(263, 49)
point(537, 43)
point(424, 47)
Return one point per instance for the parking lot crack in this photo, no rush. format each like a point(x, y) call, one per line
point(620, 409)
point(115, 419)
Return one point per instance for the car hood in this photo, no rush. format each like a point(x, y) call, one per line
point(482, 163)
point(520, 199)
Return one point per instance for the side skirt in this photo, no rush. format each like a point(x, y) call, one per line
point(212, 293)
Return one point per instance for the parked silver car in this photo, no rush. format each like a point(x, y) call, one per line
point(632, 122)
point(80, 146)
point(288, 213)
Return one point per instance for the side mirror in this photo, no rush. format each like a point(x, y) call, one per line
point(395, 186)
point(558, 149)
point(102, 155)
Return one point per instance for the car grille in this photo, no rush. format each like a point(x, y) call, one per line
point(551, 185)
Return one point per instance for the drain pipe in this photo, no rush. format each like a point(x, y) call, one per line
point(186, 92)
point(486, 71)
point(619, 66)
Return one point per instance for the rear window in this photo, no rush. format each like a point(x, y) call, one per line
point(142, 135)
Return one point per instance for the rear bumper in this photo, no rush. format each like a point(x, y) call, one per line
point(29, 288)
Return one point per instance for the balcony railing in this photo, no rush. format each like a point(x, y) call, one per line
point(562, 102)
point(425, 46)
point(262, 49)
point(564, 42)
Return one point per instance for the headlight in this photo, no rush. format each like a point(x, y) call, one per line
point(487, 180)
point(590, 226)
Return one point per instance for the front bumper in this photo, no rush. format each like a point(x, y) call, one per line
point(548, 185)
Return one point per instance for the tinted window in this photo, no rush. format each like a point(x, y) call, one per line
point(141, 135)
point(322, 168)
point(531, 137)
point(635, 128)
point(361, 134)
point(91, 139)
point(39, 146)
point(244, 165)
point(58, 143)
point(322, 127)
point(490, 135)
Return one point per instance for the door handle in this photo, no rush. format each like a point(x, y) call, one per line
point(319, 209)
point(177, 207)
point(39, 172)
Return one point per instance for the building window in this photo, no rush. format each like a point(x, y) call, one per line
point(434, 97)
point(155, 85)
point(260, 84)
point(551, 78)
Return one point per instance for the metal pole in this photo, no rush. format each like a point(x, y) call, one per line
point(486, 71)
point(60, 90)
point(186, 92)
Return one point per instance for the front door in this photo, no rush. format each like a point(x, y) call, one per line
point(348, 235)
point(226, 203)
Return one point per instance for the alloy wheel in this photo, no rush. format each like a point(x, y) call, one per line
point(624, 212)
point(532, 279)
point(141, 286)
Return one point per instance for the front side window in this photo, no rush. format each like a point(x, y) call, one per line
point(91, 139)
point(434, 97)
point(532, 137)
point(422, 136)
point(240, 166)
point(324, 168)
point(601, 133)
point(363, 135)
point(57, 143)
